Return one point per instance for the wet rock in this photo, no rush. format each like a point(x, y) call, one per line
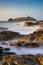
point(40, 59)
point(25, 44)
point(35, 37)
point(1, 52)
point(30, 23)
point(6, 49)
point(8, 35)
point(21, 60)
point(34, 45)
point(9, 53)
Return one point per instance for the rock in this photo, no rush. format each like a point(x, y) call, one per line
point(40, 59)
point(21, 60)
point(34, 45)
point(26, 44)
point(8, 53)
point(35, 37)
point(30, 23)
point(6, 49)
point(8, 35)
point(1, 52)
point(10, 19)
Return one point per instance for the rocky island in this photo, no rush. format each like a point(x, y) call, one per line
point(28, 18)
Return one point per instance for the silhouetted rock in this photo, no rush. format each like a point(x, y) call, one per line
point(10, 19)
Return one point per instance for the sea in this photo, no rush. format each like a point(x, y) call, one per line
point(23, 30)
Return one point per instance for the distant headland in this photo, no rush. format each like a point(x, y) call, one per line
point(23, 19)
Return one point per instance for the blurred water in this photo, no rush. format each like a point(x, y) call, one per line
point(24, 50)
point(18, 27)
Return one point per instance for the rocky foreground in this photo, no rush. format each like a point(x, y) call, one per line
point(32, 40)
point(22, 60)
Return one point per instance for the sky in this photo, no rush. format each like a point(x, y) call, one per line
point(21, 8)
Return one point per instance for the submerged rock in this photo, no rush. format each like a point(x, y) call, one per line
point(6, 49)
